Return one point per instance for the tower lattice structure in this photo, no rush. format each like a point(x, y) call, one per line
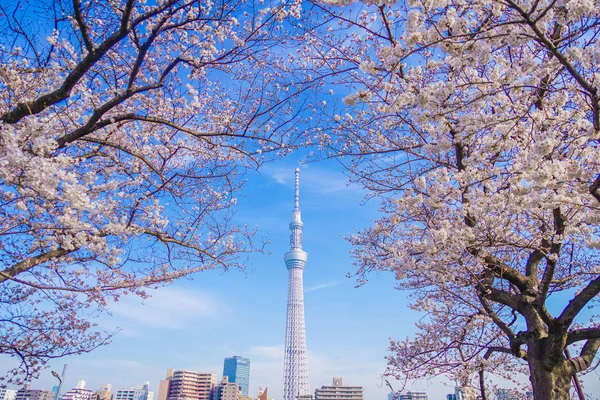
point(295, 371)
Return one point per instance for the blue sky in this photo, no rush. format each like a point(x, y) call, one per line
point(195, 324)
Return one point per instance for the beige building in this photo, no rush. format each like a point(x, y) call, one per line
point(337, 391)
point(228, 390)
point(26, 393)
point(104, 393)
point(262, 395)
point(187, 385)
point(163, 386)
point(465, 393)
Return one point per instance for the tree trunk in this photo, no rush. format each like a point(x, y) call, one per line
point(550, 384)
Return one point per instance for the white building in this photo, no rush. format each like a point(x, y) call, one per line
point(8, 394)
point(338, 391)
point(140, 392)
point(411, 396)
point(506, 394)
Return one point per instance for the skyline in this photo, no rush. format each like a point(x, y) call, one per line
point(195, 324)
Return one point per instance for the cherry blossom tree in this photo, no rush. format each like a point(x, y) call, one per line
point(126, 127)
point(478, 124)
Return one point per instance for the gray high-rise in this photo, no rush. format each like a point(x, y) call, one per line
point(237, 369)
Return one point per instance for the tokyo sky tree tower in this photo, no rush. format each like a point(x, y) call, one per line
point(295, 369)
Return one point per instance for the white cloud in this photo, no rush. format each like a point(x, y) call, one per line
point(169, 307)
point(275, 351)
point(313, 178)
point(321, 286)
point(280, 175)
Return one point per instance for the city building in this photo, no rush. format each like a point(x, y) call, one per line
point(141, 392)
point(465, 393)
point(26, 393)
point(228, 390)
point(507, 394)
point(412, 396)
point(187, 385)
point(262, 394)
point(451, 396)
point(8, 394)
point(337, 391)
point(104, 393)
point(295, 365)
point(163, 385)
point(237, 370)
point(79, 392)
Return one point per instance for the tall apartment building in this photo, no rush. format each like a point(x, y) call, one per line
point(26, 393)
point(228, 390)
point(8, 394)
point(237, 369)
point(141, 392)
point(187, 385)
point(79, 392)
point(337, 391)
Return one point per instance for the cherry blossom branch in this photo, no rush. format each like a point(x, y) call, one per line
point(41, 103)
point(19, 29)
point(93, 122)
point(143, 50)
point(83, 29)
point(595, 188)
point(31, 262)
point(165, 238)
point(578, 302)
point(578, 335)
point(586, 356)
point(503, 271)
point(146, 281)
point(491, 350)
point(178, 127)
point(132, 152)
point(552, 256)
point(541, 37)
point(497, 320)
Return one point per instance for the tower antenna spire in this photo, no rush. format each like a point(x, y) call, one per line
point(297, 194)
